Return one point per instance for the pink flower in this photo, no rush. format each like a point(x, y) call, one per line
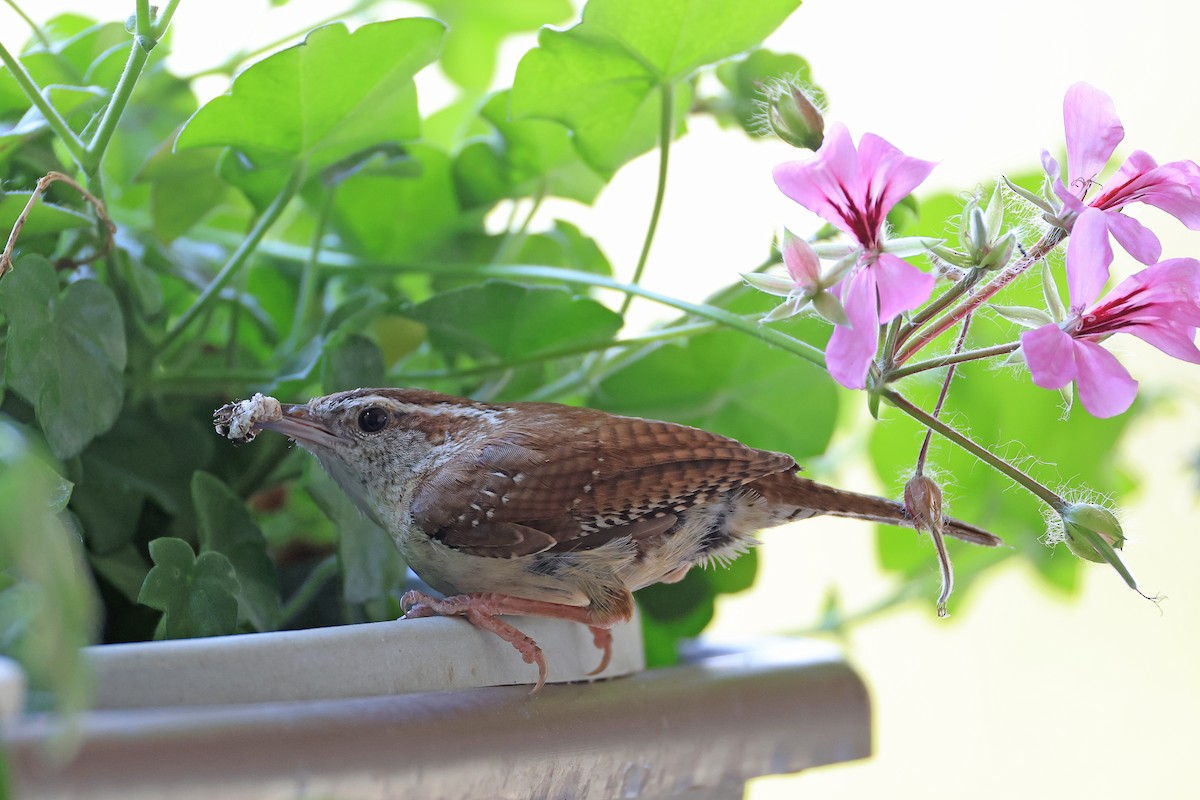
point(1093, 132)
point(854, 189)
point(1160, 305)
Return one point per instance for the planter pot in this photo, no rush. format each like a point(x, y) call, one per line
point(384, 711)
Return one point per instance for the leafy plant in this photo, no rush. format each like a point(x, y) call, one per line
point(309, 232)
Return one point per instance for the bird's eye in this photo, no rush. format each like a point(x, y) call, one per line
point(372, 420)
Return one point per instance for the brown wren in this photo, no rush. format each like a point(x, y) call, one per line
point(546, 509)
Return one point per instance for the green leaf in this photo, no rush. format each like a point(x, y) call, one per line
point(333, 95)
point(371, 565)
point(352, 363)
point(66, 352)
point(49, 608)
point(524, 158)
point(225, 527)
point(44, 218)
point(737, 577)
point(507, 320)
point(731, 384)
point(602, 77)
point(123, 468)
point(185, 188)
point(477, 29)
point(196, 595)
point(401, 211)
point(73, 104)
point(125, 569)
point(672, 612)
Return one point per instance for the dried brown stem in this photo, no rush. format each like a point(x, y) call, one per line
point(43, 184)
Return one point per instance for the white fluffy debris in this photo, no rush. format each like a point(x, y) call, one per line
point(240, 422)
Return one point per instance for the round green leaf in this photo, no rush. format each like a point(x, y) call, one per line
point(333, 95)
point(66, 353)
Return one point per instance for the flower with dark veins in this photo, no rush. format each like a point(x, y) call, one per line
point(854, 188)
point(1160, 305)
point(1093, 132)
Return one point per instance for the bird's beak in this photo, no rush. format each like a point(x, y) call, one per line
point(300, 423)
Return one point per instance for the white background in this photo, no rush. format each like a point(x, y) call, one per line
point(1019, 694)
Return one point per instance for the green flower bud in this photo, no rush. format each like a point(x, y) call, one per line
point(1090, 529)
point(794, 117)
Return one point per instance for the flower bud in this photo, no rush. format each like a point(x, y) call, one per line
point(794, 117)
point(923, 502)
point(1089, 529)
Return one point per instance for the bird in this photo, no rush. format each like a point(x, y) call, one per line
point(545, 509)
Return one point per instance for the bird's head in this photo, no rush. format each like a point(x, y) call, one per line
point(378, 443)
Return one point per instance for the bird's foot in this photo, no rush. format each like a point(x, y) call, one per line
point(482, 610)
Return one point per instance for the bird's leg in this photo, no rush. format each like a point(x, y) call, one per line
point(482, 610)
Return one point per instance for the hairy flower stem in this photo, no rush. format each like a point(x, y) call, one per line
point(939, 304)
point(973, 301)
point(949, 359)
point(665, 131)
point(974, 448)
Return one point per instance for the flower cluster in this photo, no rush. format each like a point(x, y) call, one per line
point(854, 187)
point(1160, 304)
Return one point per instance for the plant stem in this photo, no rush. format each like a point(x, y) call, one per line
point(1035, 254)
point(308, 590)
point(139, 53)
point(938, 305)
point(513, 238)
point(651, 337)
point(340, 262)
point(980, 452)
point(236, 260)
point(719, 315)
point(308, 278)
point(937, 408)
point(33, 26)
point(164, 19)
point(666, 128)
point(142, 17)
point(55, 120)
point(954, 358)
point(43, 184)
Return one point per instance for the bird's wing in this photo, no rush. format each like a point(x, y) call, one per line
point(574, 479)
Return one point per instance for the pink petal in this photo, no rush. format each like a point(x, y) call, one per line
point(825, 177)
point(1135, 237)
point(1093, 132)
point(1138, 164)
point(1174, 339)
point(1050, 354)
point(1088, 257)
point(851, 349)
point(1175, 188)
point(902, 286)
point(887, 175)
point(1105, 387)
point(1167, 290)
point(801, 261)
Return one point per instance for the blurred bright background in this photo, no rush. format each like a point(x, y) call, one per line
point(1019, 692)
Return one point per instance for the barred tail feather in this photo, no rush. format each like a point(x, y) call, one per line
point(810, 496)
